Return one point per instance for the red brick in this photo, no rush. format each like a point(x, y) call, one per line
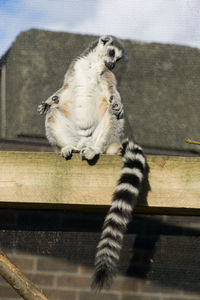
point(53, 264)
point(140, 297)
point(23, 263)
point(156, 287)
point(55, 294)
point(8, 293)
point(3, 282)
point(181, 297)
point(41, 279)
point(85, 270)
point(191, 295)
point(73, 281)
point(127, 284)
point(97, 296)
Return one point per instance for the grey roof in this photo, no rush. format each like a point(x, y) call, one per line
point(159, 85)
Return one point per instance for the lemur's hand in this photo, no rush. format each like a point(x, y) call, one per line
point(116, 107)
point(44, 106)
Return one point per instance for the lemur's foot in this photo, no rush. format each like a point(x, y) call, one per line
point(116, 107)
point(88, 153)
point(43, 108)
point(66, 152)
point(114, 148)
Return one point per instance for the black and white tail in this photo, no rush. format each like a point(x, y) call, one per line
point(119, 215)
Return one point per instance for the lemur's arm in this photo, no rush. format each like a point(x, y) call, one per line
point(116, 107)
point(115, 104)
point(54, 99)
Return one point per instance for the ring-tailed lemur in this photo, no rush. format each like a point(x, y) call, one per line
point(86, 116)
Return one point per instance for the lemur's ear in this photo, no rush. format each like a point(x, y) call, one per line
point(105, 39)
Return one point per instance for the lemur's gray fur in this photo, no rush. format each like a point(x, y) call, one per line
point(86, 116)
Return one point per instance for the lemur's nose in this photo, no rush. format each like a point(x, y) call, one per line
point(110, 65)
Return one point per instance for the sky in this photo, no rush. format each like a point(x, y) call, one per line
point(163, 21)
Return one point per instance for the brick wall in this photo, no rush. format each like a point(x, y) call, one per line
point(160, 258)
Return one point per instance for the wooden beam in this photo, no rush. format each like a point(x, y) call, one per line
point(22, 285)
point(47, 178)
point(3, 101)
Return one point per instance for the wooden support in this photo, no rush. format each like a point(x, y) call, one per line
point(22, 285)
point(48, 179)
point(189, 141)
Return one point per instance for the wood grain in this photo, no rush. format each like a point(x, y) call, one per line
point(47, 178)
point(22, 285)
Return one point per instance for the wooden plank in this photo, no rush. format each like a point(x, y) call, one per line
point(47, 178)
point(3, 101)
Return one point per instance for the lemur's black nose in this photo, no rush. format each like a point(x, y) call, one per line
point(110, 65)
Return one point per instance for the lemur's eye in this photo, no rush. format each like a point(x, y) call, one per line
point(111, 53)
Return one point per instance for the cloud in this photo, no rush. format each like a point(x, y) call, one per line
point(169, 21)
point(61, 14)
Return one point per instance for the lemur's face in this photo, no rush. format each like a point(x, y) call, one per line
point(112, 51)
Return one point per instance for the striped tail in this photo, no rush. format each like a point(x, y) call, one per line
point(119, 215)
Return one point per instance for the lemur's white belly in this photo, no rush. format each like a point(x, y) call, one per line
point(85, 110)
point(85, 97)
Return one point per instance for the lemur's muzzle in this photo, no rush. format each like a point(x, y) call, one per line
point(110, 65)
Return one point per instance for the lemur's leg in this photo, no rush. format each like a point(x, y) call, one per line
point(106, 138)
point(61, 132)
